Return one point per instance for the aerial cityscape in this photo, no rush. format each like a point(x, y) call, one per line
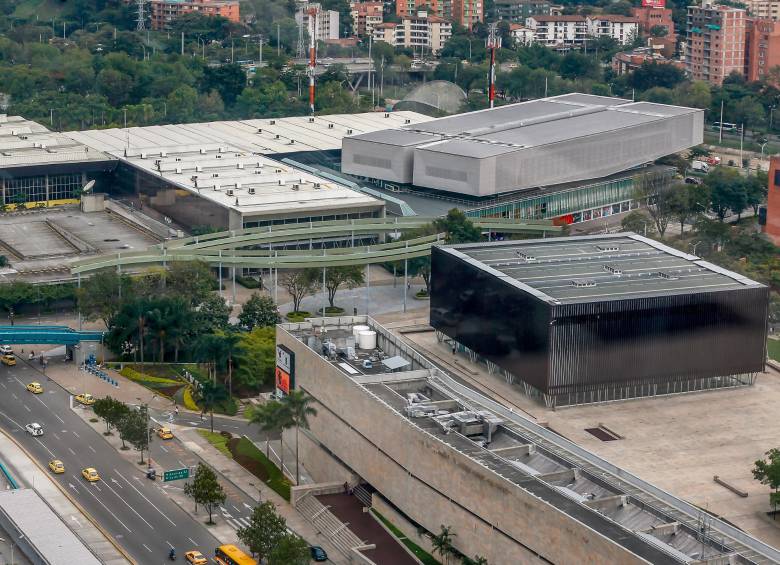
point(436, 282)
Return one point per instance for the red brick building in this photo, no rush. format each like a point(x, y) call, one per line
point(163, 12)
point(716, 42)
point(772, 227)
point(762, 47)
point(366, 15)
point(650, 17)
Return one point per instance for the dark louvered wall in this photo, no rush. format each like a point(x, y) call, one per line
point(572, 348)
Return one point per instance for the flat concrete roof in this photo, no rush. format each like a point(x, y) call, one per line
point(43, 529)
point(590, 490)
point(24, 143)
point(600, 267)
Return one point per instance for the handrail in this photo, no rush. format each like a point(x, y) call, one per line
point(8, 476)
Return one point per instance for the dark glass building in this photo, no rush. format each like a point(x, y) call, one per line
point(598, 318)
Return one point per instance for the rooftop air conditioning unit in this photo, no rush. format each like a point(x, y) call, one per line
point(260, 165)
point(258, 171)
point(198, 168)
point(157, 162)
point(178, 170)
point(296, 187)
point(238, 185)
point(278, 171)
point(349, 132)
point(221, 149)
point(178, 159)
point(143, 155)
point(387, 114)
point(311, 120)
point(202, 151)
point(251, 190)
point(277, 136)
point(317, 185)
point(217, 187)
point(407, 121)
point(281, 182)
point(214, 175)
point(292, 142)
point(218, 156)
point(330, 126)
point(163, 153)
point(239, 165)
point(229, 192)
point(259, 130)
point(273, 122)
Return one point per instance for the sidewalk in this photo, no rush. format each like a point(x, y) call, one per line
point(28, 472)
point(245, 481)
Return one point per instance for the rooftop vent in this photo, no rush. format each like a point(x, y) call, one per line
point(258, 171)
point(278, 171)
point(277, 136)
point(608, 247)
point(528, 258)
point(178, 159)
point(292, 142)
point(202, 151)
point(239, 165)
point(273, 122)
point(317, 185)
point(217, 187)
point(143, 155)
point(407, 121)
point(163, 153)
point(214, 175)
point(238, 185)
point(221, 149)
point(198, 168)
point(178, 170)
point(311, 120)
point(617, 271)
point(330, 126)
point(668, 276)
point(229, 192)
point(251, 190)
point(281, 182)
point(296, 186)
point(349, 132)
point(218, 156)
point(387, 115)
point(583, 283)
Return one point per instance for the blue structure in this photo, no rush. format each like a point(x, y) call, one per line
point(56, 335)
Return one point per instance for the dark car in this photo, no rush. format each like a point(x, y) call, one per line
point(318, 554)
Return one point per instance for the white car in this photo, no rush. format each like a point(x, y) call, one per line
point(6, 350)
point(34, 429)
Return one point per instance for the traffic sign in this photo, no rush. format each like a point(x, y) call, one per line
point(176, 474)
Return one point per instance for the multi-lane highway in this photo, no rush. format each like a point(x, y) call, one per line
point(135, 511)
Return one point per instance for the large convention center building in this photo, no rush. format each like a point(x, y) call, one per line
point(599, 318)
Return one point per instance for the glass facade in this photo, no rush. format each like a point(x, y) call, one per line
point(250, 223)
point(34, 189)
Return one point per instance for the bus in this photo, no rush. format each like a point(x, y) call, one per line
point(726, 126)
point(231, 555)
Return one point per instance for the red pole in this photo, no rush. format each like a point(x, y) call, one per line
point(312, 56)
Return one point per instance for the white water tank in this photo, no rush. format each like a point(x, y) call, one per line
point(357, 329)
point(367, 339)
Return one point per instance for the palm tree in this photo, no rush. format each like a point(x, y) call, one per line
point(273, 416)
point(442, 543)
point(298, 404)
point(211, 395)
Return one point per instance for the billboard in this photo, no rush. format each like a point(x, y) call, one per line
point(654, 3)
point(284, 375)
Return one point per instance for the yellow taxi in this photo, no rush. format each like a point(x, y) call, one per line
point(35, 388)
point(85, 398)
point(91, 474)
point(165, 433)
point(9, 360)
point(195, 557)
point(56, 466)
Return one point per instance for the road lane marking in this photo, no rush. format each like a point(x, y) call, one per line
point(92, 448)
point(46, 448)
point(56, 436)
point(165, 450)
point(113, 480)
point(14, 422)
point(14, 395)
point(232, 524)
point(77, 435)
point(41, 401)
point(146, 499)
point(3, 385)
point(193, 541)
point(26, 407)
point(236, 507)
point(147, 547)
point(60, 419)
point(128, 505)
point(92, 494)
point(71, 451)
point(169, 543)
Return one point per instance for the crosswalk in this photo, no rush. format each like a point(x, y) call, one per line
point(235, 522)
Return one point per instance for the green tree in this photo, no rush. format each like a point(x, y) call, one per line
point(653, 191)
point(458, 228)
point(291, 550)
point(756, 189)
point(727, 191)
point(350, 276)
point(259, 311)
point(256, 357)
point(650, 75)
point(101, 296)
point(133, 428)
point(638, 222)
point(205, 489)
point(298, 404)
point(111, 411)
point(228, 80)
point(212, 395)
point(273, 417)
point(211, 315)
point(686, 201)
point(192, 281)
point(442, 543)
point(767, 471)
point(298, 285)
point(265, 530)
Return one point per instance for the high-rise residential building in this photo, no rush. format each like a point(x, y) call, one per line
point(326, 21)
point(762, 47)
point(772, 226)
point(405, 8)
point(516, 11)
point(163, 12)
point(573, 31)
point(715, 45)
point(366, 15)
point(652, 19)
point(421, 32)
point(763, 8)
point(467, 12)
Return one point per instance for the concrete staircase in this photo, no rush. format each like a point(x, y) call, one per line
point(329, 525)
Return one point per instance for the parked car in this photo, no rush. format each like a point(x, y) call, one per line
point(712, 160)
point(700, 166)
point(9, 360)
point(318, 554)
point(693, 180)
point(85, 398)
point(34, 429)
point(6, 350)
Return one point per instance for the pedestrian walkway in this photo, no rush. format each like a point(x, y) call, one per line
point(27, 472)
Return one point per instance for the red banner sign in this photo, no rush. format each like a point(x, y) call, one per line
point(282, 381)
point(654, 3)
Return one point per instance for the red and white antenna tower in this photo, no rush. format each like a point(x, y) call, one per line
point(493, 43)
point(312, 54)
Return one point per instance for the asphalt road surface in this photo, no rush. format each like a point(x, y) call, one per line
point(131, 508)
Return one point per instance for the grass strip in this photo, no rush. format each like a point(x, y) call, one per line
point(773, 348)
point(217, 440)
point(418, 551)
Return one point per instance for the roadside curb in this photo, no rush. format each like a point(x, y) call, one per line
point(75, 503)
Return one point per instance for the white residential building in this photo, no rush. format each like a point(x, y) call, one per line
point(326, 22)
point(423, 33)
point(568, 32)
point(522, 35)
